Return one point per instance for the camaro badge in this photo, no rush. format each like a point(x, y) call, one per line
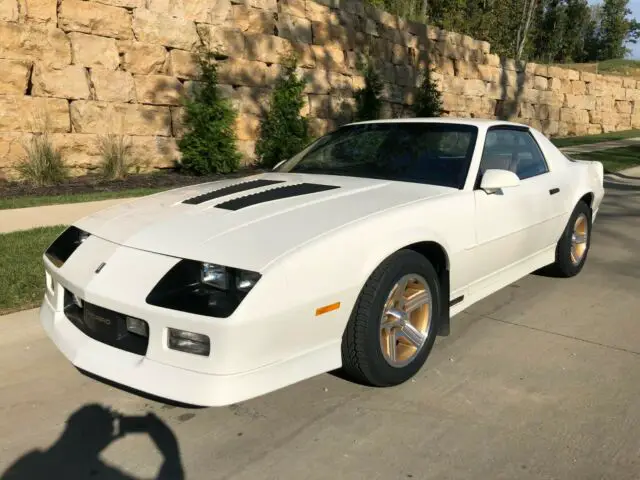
point(100, 267)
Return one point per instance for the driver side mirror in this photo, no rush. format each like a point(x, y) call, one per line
point(494, 180)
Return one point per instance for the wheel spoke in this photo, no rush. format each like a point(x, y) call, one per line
point(412, 334)
point(416, 301)
point(398, 318)
point(391, 344)
point(398, 294)
point(580, 238)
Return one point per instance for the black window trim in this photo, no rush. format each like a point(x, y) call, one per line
point(513, 128)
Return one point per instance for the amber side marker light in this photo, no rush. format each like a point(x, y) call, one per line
point(327, 308)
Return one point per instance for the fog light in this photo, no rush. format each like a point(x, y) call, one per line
point(188, 342)
point(137, 326)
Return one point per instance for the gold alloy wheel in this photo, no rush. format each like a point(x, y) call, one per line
point(579, 238)
point(405, 321)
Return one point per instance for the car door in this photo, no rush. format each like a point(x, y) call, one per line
point(511, 224)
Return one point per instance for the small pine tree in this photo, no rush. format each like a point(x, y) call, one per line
point(429, 99)
point(283, 131)
point(209, 143)
point(368, 102)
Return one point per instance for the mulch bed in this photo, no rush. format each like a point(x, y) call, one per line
point(93, 183)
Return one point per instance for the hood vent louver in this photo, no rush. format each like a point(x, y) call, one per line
point(277, 193)
point(229, 190)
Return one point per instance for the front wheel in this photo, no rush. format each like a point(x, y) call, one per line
point(573, 246)
point(394, 322)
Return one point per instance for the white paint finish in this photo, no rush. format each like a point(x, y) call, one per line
point(509, 226)
point(493, 180)
point(251, 238)
point(312, 250)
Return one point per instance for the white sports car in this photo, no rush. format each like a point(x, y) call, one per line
point(354, 253)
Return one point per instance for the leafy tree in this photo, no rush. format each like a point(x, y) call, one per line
point(554, 31)
point(550, 36)
point(284, 132)
point(209, 144)
point(368, 102)
point(575, 29)
point(614, 29)
point(524, 27)
point(429, 99)
point(591, 51)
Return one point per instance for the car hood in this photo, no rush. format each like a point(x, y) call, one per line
point(249, 226)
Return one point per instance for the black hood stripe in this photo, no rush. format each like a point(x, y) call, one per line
point(274, 194)
point(229, 190)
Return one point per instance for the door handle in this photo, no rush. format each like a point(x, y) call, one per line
point(553, 191)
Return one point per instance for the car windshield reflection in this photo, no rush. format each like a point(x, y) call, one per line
point(422, 152)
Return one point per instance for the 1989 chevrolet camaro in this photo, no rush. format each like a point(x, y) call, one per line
point(355, 253)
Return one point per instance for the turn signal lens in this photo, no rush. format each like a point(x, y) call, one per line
point(188, 342)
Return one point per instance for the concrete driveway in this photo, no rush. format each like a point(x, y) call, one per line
point(542, 380)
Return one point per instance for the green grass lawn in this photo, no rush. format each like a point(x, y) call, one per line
point(21, 269)
point(619, 67)
point(591, 139)
point(27, 201)
point(614, 159)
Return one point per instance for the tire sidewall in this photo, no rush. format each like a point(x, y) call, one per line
point(401, 264)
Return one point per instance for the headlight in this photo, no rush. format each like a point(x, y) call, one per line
point(203, 288)
point(245, 280)
point(215, 276)
point(63, 246)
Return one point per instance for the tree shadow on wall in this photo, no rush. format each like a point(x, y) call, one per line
point(88, 432)
point(508, 106)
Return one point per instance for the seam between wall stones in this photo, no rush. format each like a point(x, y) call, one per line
point(92, 87)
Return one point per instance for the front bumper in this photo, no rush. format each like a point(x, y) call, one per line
point(170, 382)
point(253, 352)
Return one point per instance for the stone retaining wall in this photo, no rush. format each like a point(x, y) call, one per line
point(122, 66)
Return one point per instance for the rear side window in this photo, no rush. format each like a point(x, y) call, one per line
point(513, 150)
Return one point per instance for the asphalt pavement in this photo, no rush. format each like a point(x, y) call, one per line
point(539, 381)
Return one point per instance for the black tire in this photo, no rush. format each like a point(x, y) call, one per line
point(564, 265)
point(362, 356)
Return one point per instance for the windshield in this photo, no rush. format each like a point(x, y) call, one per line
point(430, 153)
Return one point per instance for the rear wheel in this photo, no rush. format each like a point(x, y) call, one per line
point(394, 322)
point(573, 246)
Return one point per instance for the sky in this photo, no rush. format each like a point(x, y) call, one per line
point(634, 6)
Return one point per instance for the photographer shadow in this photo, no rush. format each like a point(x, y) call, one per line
point(89, 431)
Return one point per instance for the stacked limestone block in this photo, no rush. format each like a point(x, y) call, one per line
point(123, 66)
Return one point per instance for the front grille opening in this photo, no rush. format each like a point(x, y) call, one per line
point(104, 325)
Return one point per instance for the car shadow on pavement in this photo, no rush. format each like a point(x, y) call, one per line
point(88, 432)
